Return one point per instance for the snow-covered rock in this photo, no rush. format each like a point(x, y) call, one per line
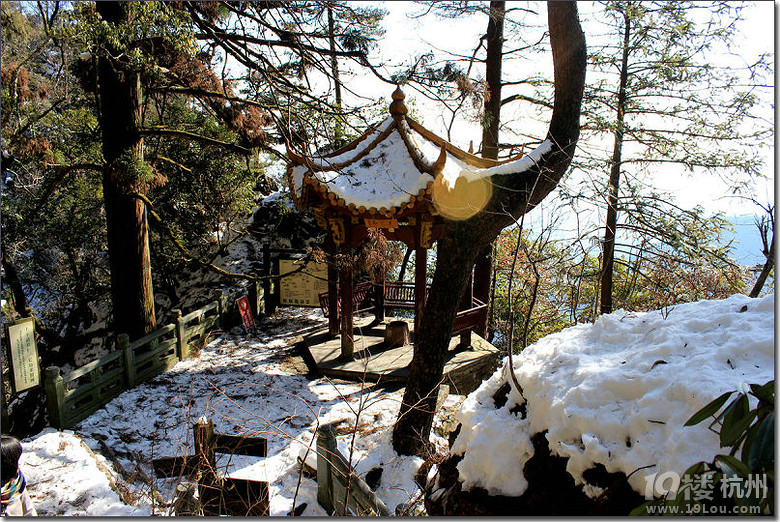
point(617, 393)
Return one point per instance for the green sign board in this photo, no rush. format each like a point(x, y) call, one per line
point(24, 355)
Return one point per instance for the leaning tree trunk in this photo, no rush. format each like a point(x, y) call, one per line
point(455, 257)
point(126, 222)
point(613, 191)
point(513, 195)
point(766, 269)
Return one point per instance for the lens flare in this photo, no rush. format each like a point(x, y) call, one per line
point(463, 200)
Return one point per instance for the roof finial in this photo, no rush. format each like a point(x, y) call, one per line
point(398, 107)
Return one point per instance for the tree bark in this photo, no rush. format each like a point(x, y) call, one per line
point(765, 270)
point(127, 229)
point(613, 191)
point(513, 195)
point(13, 282)
point(334, 67)
point(490, 134)
point(493, 60)
point(432, 338)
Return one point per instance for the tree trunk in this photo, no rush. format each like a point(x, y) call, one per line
point(404, 264)
point(608, 257)
point(334, 67)
point(768, 265)
point(127, 229)
point(490, 133)
point(412, 431)
point(513, 194)
point(492, 117)
point(17, 290)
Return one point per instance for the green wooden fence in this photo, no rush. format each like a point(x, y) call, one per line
point(75, 396)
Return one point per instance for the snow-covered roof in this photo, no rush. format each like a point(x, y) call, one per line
point(393, 166)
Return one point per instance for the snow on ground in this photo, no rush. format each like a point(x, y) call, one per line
point(618, 392)
point(248, 385)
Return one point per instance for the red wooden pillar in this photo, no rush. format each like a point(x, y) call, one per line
point(333, 296)
point(420, 279)
point(379, 300)
point(347, 290)
point(467, 301)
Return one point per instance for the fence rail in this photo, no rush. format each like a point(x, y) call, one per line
point(76, 395)
point(339, 490)
point(361, 299)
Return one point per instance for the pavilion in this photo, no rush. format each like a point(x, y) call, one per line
point(403, 181)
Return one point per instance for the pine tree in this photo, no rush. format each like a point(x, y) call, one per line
point(660, 95)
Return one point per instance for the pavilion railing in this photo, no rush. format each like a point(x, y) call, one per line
point(401, 295)
point(361, 299)
point(468, 320)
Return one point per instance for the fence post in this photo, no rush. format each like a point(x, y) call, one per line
point(182, 347)
point(326, 447)
point(55, 396)
point(336, 481)
point(203, 436)
point(270, 303)
point(256, 295)
point(219, 296)
point(123, 343)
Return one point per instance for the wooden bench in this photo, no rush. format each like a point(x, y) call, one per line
point(401, 295)
point(361, 299)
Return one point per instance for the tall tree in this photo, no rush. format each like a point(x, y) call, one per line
point(494, 57)
point(126, 173)
point(512, 196)
point(455, 80)
point(662, 99)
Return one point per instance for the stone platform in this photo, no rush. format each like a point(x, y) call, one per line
point(464, 370)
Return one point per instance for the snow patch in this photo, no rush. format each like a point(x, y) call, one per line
point(617, 392)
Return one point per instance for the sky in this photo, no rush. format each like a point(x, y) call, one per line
point(407, 37)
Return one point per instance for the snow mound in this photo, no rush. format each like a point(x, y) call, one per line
point(66, 478)
point(618, 392)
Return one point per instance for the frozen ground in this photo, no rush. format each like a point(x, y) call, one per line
point(247, 385)
point(616, 392)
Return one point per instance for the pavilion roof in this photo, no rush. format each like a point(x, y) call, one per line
point(391, 167)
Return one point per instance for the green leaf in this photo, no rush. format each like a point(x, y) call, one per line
point(765, 393)
point(762, 452)
point(733, 466)
point(748, 444)
point(708, 410)
point(736, 420)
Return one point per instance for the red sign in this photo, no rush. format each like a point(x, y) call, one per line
point(246, 312)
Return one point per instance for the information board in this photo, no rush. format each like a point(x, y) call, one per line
point(303, 288)
point(24, 355)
